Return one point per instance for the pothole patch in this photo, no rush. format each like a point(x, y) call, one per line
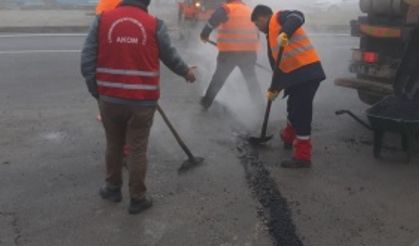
point(274, 210)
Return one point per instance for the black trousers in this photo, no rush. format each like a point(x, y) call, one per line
point(226, 62)
point(300, 106)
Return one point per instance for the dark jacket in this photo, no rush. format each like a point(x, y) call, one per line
point(217, 18)
point(168, 55)
point(290, 22)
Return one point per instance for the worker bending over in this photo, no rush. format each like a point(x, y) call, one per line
point(299, 74)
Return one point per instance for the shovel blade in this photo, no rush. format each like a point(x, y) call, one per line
point(259, 140)
point(190, 164)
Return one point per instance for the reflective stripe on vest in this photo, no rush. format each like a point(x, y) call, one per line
point(296, 51)
point(127, 72)
point(294, 38)
point(118, 85)
point(236, 40)
point(238, 33)
point(299, 51)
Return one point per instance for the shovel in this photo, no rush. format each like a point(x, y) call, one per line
point(192, 160)
point(263, 137)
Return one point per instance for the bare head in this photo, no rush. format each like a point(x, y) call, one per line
point(260, 17)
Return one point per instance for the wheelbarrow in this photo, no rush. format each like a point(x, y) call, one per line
point(392, 114)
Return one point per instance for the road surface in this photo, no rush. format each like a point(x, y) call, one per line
point(52, 149)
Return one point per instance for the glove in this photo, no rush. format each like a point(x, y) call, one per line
point(204, 38)
point(283, 39)
point(272, 95)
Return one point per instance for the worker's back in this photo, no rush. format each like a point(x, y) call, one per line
point(105, 5)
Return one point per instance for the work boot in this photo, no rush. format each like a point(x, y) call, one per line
point(288, 136)
point(112, 194)
point(205, 103)
point(137, 206)
point(301, 156)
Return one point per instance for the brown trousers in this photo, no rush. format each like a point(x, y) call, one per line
point(127, 124)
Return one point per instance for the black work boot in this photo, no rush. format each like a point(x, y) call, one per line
point(205, 103)
point(137, 206)
point(112, 194)
point(294, 163)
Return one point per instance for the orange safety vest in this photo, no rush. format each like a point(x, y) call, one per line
point(299, 51)
point(238, 33)
point(105, 5)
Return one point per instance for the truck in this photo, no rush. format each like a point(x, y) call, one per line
point(196, 10)
point(384, 33)
point(192, 13)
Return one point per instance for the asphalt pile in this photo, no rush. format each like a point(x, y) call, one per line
point(275, 211)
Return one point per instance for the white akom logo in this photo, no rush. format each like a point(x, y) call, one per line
point(127, 39)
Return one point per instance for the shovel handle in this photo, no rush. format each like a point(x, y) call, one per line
point(212, 42)
point(175, 134)
point(265, 119)
point(269, 104)
point(366, 125)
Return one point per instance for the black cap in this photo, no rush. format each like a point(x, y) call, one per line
point(146, 2)
point(142, 2)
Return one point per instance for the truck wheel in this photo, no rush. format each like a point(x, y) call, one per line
point(368, 97)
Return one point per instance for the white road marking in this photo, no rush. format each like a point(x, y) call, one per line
point(320, 34)
point(40, 51)
point(17, 52)
point(30, 35)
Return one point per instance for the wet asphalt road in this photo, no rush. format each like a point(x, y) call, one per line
point(51, 162)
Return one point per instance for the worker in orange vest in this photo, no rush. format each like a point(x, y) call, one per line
point(105, 5)
point(298, 73)
point(237, 43)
